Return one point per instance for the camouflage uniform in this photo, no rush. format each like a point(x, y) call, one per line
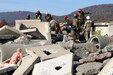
point(87, 29)
point(68, 25)
point(81, 18)
point(75, 31)
point(48, 17)
point(28, 17)
point(57, 28)
point(38, 16)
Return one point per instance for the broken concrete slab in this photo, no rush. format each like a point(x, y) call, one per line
point(8, 69)
point(66, 45)
point(107, 69)
point(99, 57)
point(7, 50)
point(91, 68)
point(27, 65)
point(57, 66)
point(52, 56)
point(43, 27)
point(31, 43)
point(36, 35)
point(49, 51)
point(83, 50)
point(6, 30)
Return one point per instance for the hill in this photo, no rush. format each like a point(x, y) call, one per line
point(99, 13)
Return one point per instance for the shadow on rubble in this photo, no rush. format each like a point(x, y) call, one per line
point(37, 35)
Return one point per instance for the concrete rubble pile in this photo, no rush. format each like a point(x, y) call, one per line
point(91, 57)
point(34, 38)
point(41, 57)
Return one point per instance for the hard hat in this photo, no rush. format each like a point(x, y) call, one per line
point(79, 9)
point(38, 11)
point(88, 17)
point(65, 17)
point(55, 22)
point(46, 14)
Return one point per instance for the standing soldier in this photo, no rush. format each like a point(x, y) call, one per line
point(81, 20)
point(87, 27)
point(38, 15)
point(28, 17)
point(75, 29)
point(48, 17)
point(81, 17)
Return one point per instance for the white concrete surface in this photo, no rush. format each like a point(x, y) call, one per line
point(108, 68)
point(56, 56)
point(43, 27)
point(64, 63)
point(105, 28)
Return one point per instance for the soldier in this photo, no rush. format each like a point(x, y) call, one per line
point(87, 27)
point(57, 27)
point(38, 15)
point(48, 17)
point(28, 17)
point(75, 29)
point(81, 17)
point(81, 20)
point(68, 24)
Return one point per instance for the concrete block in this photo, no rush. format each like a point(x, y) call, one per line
point(26, 65)
point(6, 30)
point(57, 66)
point(43, 27)
point(55, 60)
point(49, 51)
point(91, 68)
point(108, 68)
point(8, 68)
point(28, 30)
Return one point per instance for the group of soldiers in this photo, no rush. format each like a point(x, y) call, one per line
point(79, 28)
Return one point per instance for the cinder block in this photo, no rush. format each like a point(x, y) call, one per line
point(55, 60)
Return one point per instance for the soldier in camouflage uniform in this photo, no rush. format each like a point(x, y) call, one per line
point(28, 17)
point(38, 15)
point(68, 24)
point(75, 30)
point(81, 21)
point(81, 17)
point(48, 17)
point(87, 28)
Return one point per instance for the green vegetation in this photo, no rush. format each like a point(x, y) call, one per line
point(97, 33)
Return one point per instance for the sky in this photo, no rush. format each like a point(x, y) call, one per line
point(54, 7)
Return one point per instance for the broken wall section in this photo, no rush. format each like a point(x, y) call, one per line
point(28, 26)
